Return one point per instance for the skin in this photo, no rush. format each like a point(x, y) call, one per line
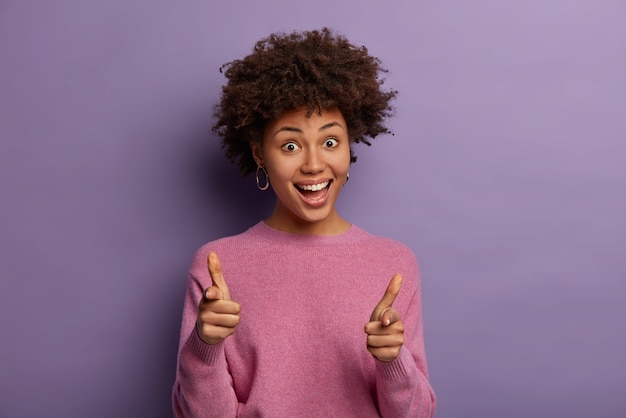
point(300, 151)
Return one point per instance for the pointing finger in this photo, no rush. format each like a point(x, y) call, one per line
point(217, 278)
point(213, 293)
point(389, 316)
point(388, 298)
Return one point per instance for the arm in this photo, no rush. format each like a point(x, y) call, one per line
point(203, 386)
point(397, 344)
point(402, 384)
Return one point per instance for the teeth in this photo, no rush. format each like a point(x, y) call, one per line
point(314, 187)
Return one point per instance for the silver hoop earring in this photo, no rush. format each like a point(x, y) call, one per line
point(267, 178)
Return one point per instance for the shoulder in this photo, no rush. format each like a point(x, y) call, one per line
point(226, 247)
point(387, 254)
point(383, 257)
point(385, 245)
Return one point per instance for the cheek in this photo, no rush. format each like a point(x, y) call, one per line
point(341, 165)
point(279, 171)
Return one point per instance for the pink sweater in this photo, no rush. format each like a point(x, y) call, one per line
point(300, 349)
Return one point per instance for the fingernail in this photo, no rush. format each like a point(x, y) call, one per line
point(387, 322)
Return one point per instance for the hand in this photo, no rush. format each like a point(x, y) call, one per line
point(218, 314)
point(385, 331)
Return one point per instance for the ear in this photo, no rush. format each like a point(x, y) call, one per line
point(257, 153)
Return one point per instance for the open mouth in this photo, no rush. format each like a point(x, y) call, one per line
point(314, 192)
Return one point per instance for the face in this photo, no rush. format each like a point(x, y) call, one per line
point(307, 160)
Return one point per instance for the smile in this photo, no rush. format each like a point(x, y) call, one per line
point(314, 195)
point(313, 187)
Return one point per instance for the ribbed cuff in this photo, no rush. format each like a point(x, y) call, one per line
point(211, 354)
point(393, 370)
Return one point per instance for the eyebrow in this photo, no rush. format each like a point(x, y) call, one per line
point(298, 130)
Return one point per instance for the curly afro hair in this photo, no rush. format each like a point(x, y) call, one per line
point(316, 69)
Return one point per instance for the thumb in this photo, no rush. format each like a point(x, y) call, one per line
point(217, 278)
point(388, 298)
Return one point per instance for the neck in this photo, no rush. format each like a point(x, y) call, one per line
point(281, 220)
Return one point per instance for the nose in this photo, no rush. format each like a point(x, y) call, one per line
point(313, 162)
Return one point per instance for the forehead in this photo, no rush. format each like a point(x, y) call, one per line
point(299, 120)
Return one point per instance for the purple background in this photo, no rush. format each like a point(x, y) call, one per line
point(506, 175)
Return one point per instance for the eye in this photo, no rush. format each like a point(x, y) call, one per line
point(331, 143)
point(290, 147)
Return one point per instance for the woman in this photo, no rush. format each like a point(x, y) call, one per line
point(304, 314)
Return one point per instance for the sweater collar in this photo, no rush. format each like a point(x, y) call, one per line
point(263, 231)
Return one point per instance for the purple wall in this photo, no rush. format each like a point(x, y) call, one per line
point(506, 175)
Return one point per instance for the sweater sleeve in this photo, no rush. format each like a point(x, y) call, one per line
point(203, 386)
point(402, 385)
